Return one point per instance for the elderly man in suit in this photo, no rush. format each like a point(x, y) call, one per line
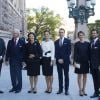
point(2, 53)
point(14, 55)
point(95, 62)
point(62, 55)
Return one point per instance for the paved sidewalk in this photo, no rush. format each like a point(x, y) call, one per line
point(5, 85)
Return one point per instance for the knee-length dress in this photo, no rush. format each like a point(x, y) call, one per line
point(82, 56)
point(33, 64)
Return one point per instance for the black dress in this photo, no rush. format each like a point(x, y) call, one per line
point(33, 64)
point(82, 56)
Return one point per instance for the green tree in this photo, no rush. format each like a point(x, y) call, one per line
point(43, 19)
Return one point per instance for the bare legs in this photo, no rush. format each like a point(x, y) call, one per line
point(49, 81)
point(82, 83)
point(33, 79)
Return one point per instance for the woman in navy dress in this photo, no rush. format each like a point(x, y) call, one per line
point(33, 53)
point(81, 61)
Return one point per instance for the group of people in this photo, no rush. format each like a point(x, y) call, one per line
point(86, 58)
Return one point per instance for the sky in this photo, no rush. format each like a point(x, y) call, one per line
point(60, 7)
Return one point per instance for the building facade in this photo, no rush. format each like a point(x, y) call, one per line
point(12, 15)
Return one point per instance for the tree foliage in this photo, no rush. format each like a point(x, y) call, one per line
point(43, 19)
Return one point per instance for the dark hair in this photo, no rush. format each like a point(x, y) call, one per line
point(94, 30)
point(62, 29)
point(30, 34)
point(80, 32)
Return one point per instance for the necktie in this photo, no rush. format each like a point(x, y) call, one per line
point(15, 42)
point(92, 43)
point(60, 42)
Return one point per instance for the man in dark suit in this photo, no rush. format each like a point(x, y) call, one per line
point(2, 53)
point(95, 62)
point(62, 55)
point(14, 55)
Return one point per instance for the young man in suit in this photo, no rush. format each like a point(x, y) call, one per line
point(62, 55)
point(95, 62)
point(14, 55)
point(2, 53)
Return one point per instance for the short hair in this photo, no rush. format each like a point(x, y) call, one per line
point(62, 29)
point(94, 30)
point(16, 31)
point(80, 32)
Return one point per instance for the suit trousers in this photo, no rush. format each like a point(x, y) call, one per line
point(96, 80)
point(63, 68)
point(0, 67)
point(16, 77)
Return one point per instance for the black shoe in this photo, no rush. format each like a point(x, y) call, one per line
point(34, 92)
point(66, 93)
point(1, 92)
point(17, 91)
point(31, 91)
point(59, 92)
point(94, 95)
point(12, 90)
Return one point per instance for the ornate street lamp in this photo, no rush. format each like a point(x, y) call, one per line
point(81, 13)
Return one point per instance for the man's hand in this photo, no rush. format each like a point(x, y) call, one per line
point(99, 68)
point(31, 56)
point(61, 61)
point(1, 58)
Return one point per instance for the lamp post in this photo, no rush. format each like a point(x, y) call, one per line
point(81, 10)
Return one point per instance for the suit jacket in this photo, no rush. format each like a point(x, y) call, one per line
point(64, 51)
point(95, 55)
point(2, 48)
point(15, 53)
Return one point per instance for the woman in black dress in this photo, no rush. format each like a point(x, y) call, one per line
point(33, 53)
point(81, 61)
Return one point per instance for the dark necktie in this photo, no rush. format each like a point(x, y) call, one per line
point(14, 42)
point(92, 43)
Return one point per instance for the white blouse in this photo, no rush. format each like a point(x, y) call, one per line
point(48, 49)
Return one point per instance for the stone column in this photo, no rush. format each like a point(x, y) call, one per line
point(78, 26)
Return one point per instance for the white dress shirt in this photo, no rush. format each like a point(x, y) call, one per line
point(48, 46)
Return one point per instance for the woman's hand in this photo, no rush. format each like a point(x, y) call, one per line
point(31, 56)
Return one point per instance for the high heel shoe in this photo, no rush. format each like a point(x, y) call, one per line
point(31, 91)
point(50, 90)
point(35, 91)
point(84, 93)
point(81, 93)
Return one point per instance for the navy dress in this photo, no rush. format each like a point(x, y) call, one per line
point(33, 64)
point(81, 56)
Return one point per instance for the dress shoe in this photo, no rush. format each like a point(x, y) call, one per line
point(12, 90)
point(34, 92)
point(17, 91)
point(31, 90)
point(59, 92)
point(99, 98)
point(66, 93)
point(84, 93)
point(1, 92)
point(94, 95)
point(81, 93)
